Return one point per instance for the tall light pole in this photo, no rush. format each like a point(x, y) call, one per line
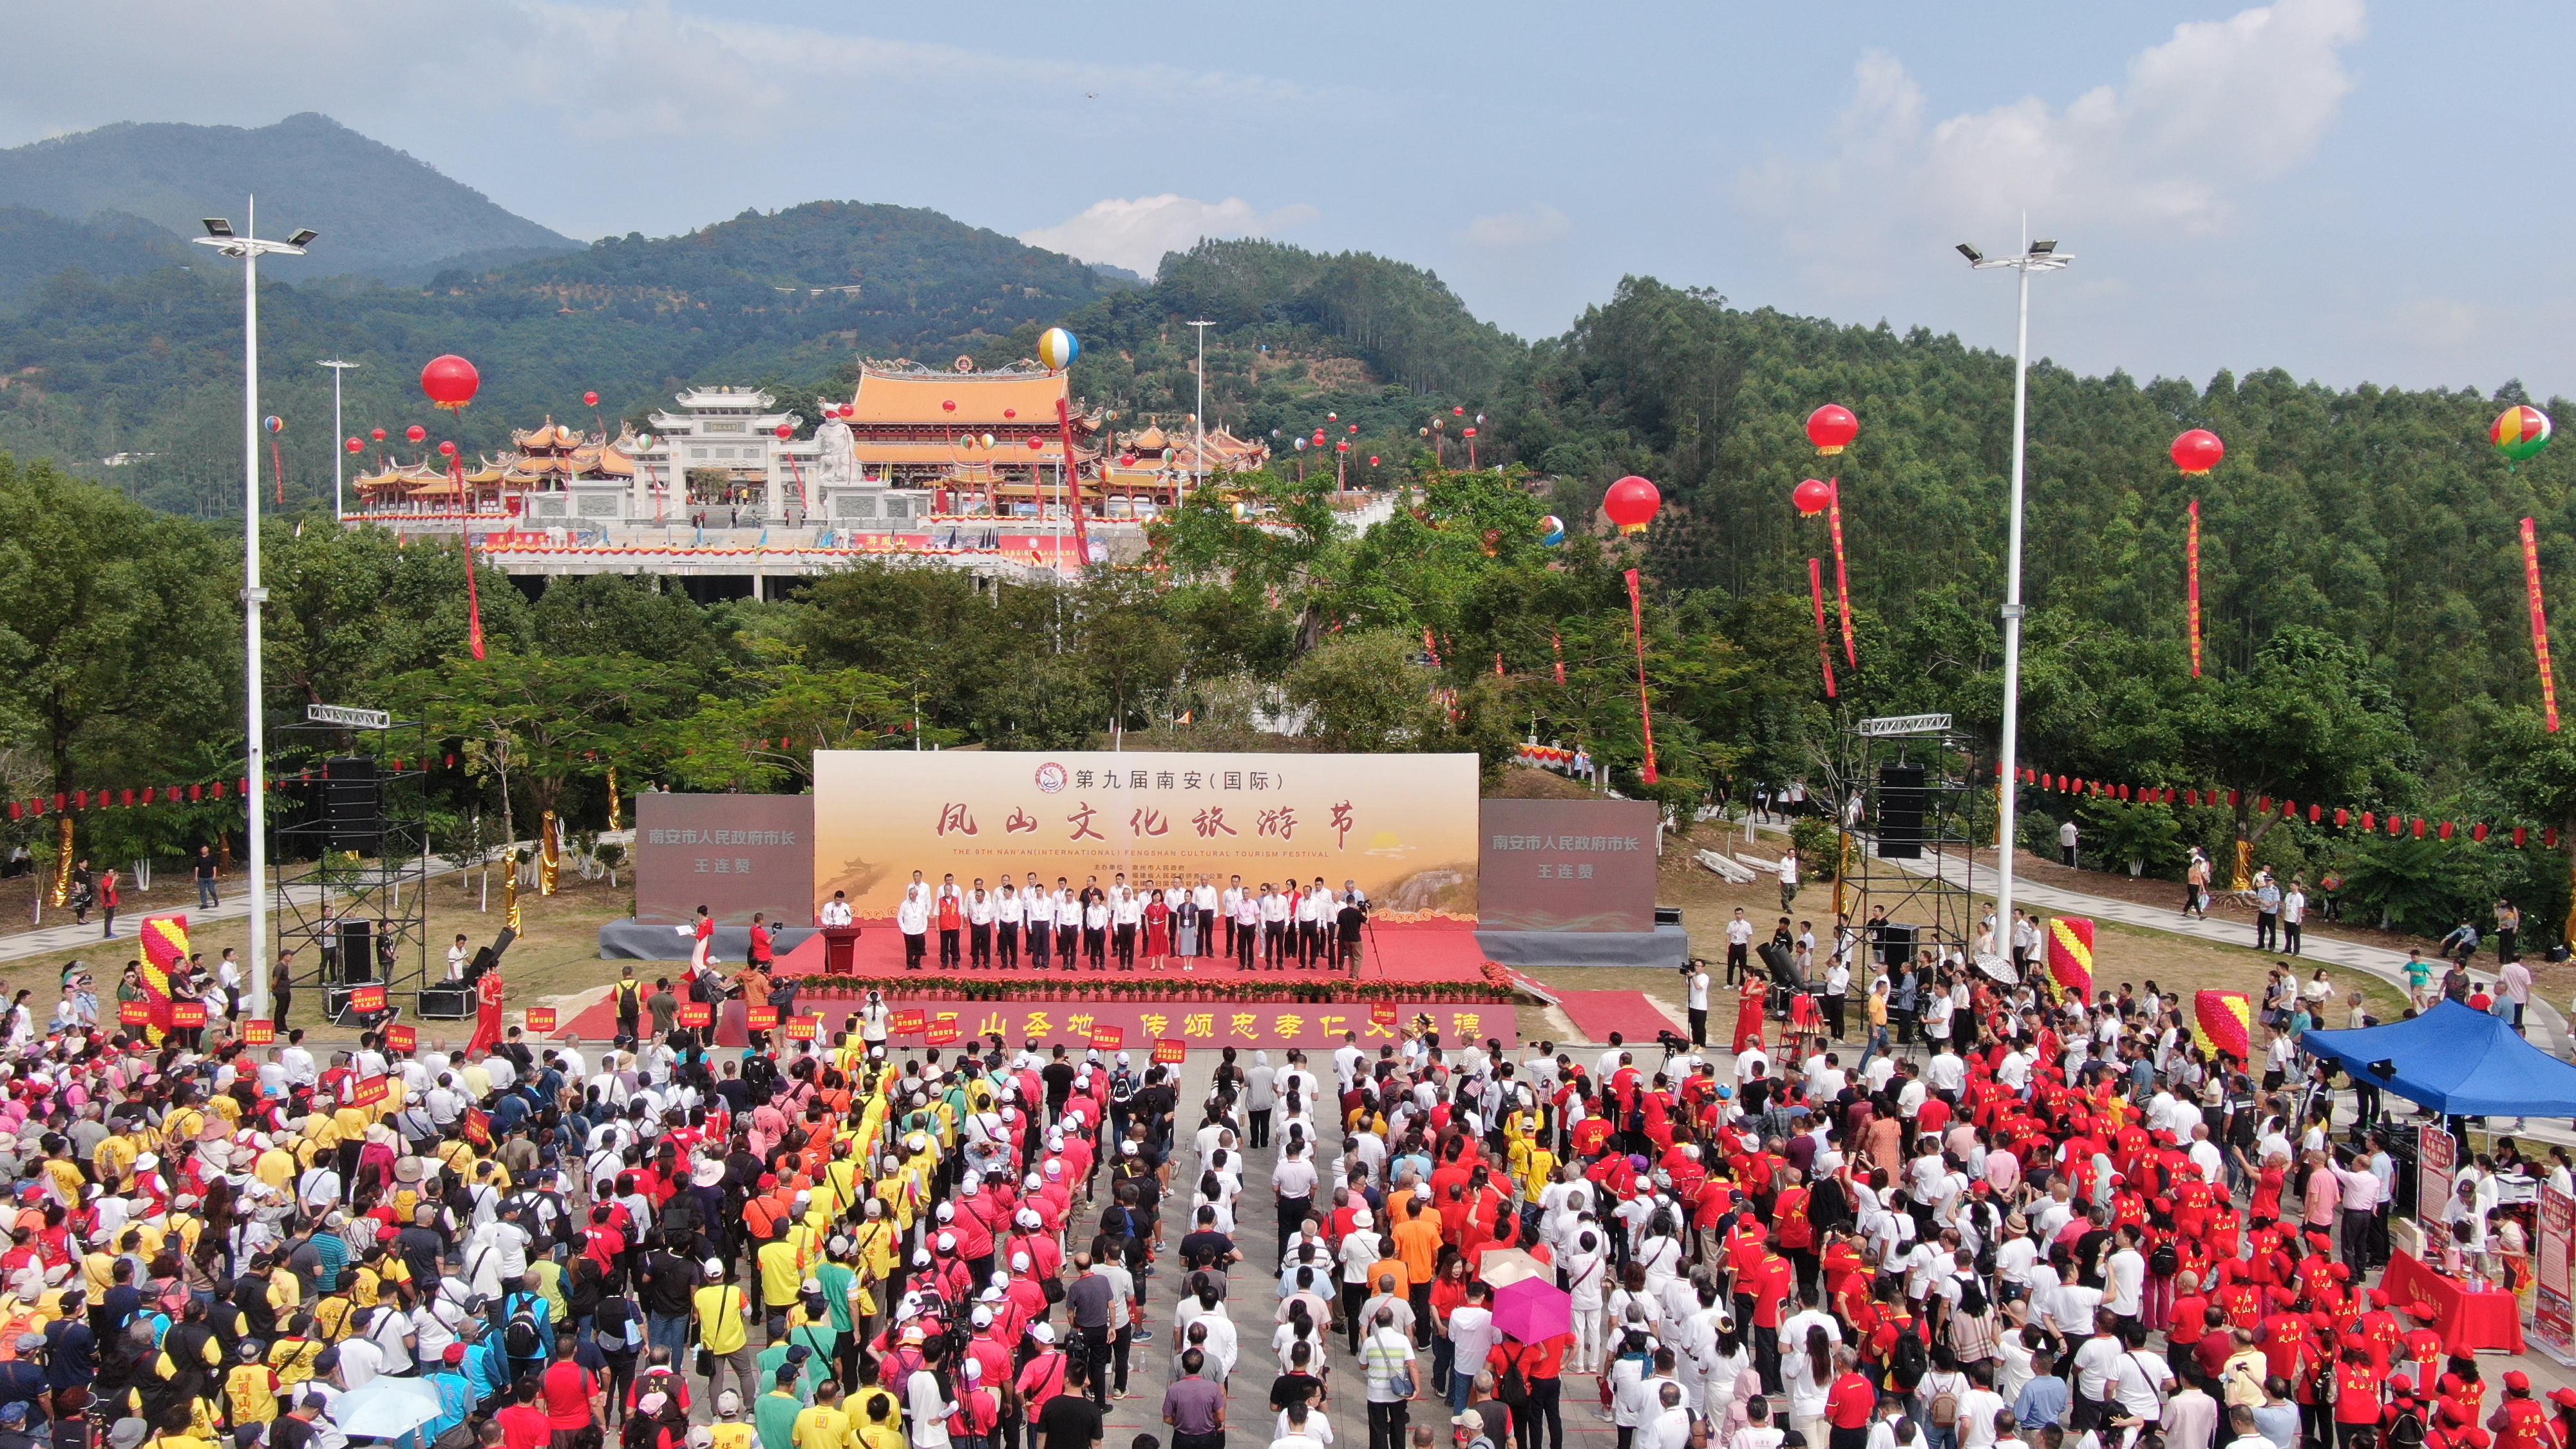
point(339, 453)
point(249, 248)
point(1201, 416)
point(2038, 256)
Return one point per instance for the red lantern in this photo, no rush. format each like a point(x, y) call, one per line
point(2369, 820)
point(416, 432)
point(1831, 428)
point(1343, 446)
point(2521, 834)
point(2419, 827)
point(1036, 443)
point(378, 435)
point(450, 382)
point(1457, 412)
point(1813, 496)
point(1010, 412)
point(1126, 460)
point(2478, 832)
point(1372, 460)
point(2316, 813)
point(447, 450)
point(590, 399)
point(786, 431)
point(2262, 804)
point(2198, 451)
point(948, 405)
point(2343, 817)
point(1632, 503)
point(129, 797)
point(357, 445)
point(2235, 798)
point(2445, 831)
point(1354, 427)
point(845, 410)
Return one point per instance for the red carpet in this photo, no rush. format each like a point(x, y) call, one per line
point(1633, 1014)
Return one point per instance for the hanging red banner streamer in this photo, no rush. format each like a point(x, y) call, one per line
point(1645, 709)
point(465, 529)
point(2191, 554)
point(277, 460)
point(2539, 621)
point(1842, 576)
point(1071, 473)
point(1824, 648)
point(1556, 646)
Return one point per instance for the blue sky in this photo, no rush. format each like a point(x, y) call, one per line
point(2354, 191)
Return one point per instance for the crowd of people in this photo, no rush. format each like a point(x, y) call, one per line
point(1166, 925)
point(2054, 1223)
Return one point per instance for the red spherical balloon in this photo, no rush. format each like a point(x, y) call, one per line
point(1343, 446)
point(1632, 503)
point(357, 445)
point(1832, 427)
point(447, 450)
point(786, 431)
point(2198, 451)
point(844, 410)
point(1812, 496)
point(1457, 412)
point(450, 381)
point(590, 399)
point(378, 435)
point(1372, 460)
point(948, 405)
point(1351, 427)
point(416, 432)
point(1471, 432)
point(1010, 412)
point(1036, 443)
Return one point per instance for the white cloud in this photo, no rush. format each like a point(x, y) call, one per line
point(1534, 225)
point(1134, 232)
point(2199, 121)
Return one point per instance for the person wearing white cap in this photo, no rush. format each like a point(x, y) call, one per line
point(1361, 1247)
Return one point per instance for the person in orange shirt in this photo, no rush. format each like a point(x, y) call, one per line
point(1417, 1243)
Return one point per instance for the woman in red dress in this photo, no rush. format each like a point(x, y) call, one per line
point(1158, 931)
point(1749, 1011)
point(487, 1017)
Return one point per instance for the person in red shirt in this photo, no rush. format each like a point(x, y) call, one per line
point(1849, 1405)
point(571, 1392)
point(2519, 1421)
point(524, 1425)
point(1772, 1282)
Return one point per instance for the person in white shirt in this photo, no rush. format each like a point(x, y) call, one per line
point(1699, 1004)
point(1274, 926)
point(457, 955)
point(1008, 913)
point(1739, 946)
point(2125, 1295)
point(912, 919)
point(2138, 1378)
point(836, 911)
point(1788, 878)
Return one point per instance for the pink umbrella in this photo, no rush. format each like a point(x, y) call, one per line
point(1533, 1311)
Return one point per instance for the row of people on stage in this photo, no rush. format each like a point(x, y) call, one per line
point(1165, 924)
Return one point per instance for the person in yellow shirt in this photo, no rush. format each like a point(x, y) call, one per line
point(782, 1277)
point(275, 1165)
point(1535, 1165)
point(720, 1315)
point(295, 1351)
point(729, 1431)
point(823, 1426)
point(113, 1158)
point(250, 1390)
point(877, 1417)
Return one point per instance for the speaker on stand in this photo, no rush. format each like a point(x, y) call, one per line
point(353, 805)
point(1902, 795)
point(357, 951)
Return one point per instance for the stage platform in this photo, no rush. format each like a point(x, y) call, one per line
point(1430, 967)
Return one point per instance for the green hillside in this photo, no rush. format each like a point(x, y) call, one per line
point(381, 212)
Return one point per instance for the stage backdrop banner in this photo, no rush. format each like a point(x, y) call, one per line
point(2554, 1296)
point(733, 854)
point(1567, 865)
point(1402, 826)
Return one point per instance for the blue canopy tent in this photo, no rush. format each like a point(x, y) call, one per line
point(2460, 1063)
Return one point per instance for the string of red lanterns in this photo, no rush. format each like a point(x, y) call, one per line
point(2341, 817)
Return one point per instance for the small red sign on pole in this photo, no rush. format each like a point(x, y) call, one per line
point(541, 1019)
point(402, 1040)
point(134, 1013)
point(944, 1030)
point(1171, 1051)
point(369, 1091)
point(369, 999)
point(1383, 1013)
point(911, 1022)
point(696, 1014)
point(187, 1014)
point(761, 1018)
point(258, 1033)
point(1108, 1038)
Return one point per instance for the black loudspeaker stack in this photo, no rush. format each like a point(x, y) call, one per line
point(357, 952)
point(1901, 800)
point(446, 1003)
point(353, 805)
point(1895, 944)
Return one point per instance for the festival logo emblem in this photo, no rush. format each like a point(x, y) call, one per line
point(1051, 777)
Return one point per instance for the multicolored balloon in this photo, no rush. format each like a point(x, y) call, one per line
point(2070, 955)
point(1551, 530)
point(2223, 1021)
point(1058, 348)
point(273, 423)
point(2520, 432)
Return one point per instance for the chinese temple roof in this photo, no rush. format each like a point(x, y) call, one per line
point(891, 393)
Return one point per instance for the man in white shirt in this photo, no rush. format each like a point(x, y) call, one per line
point(1008, 914)
point(1204, 896)
point(2139, 1379)
point(912, 919)
point(1945, 1074)
point(1274, 927)
point(1699, 1003)
point(457, 955)
point(1739, 946)
point(2125, 1293)
point(1788, 877)
point(836, 911)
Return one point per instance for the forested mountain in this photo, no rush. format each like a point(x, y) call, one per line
point(381, 213)
point(35, 245)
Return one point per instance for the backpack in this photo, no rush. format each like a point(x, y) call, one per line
point(521, 1339)
point(1972, 1296)
point(2166, 1262)
point(1511, 1387)
point(2407, 1430)
point(1945, 1410)
point(1908, 1363)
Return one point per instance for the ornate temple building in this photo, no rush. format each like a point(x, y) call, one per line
point(550, 459)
